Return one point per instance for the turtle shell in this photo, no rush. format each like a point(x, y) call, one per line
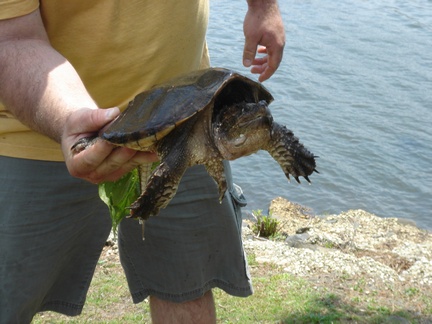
point(152, 114)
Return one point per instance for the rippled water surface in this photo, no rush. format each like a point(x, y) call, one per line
point(355, 86)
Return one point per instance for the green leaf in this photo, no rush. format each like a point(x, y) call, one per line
point(119, 195)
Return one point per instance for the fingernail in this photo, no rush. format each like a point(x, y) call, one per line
point(247, 62)
point(111, 113)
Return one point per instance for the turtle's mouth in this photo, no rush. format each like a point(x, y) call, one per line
point(257, 122)
point(259, 117)
point(250, 126)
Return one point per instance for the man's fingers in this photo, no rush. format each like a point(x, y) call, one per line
point(103, 161)
point(249, 53)
point(275, 55)
point(262, 50)
point(265, 66)
point(85, 121)
point(84, 163)
point(120, 162)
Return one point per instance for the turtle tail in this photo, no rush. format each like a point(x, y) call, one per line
point(292, 156)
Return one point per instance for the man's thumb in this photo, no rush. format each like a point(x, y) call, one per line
point(249, 53)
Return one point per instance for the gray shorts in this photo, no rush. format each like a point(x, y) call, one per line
point(53, 228)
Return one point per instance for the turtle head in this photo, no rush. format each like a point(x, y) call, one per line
point(242, 128)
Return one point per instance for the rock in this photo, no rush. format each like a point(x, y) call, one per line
point(299, 241)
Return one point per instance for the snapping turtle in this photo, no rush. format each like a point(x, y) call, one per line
point(203, 117)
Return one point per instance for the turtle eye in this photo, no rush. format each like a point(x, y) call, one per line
point(239, 141)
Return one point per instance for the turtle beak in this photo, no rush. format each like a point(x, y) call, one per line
point(264, 117)
point(269, 120)
point(269, 116)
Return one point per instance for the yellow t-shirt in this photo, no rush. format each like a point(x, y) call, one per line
point(119, 48)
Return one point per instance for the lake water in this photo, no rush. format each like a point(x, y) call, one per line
point(355, 86)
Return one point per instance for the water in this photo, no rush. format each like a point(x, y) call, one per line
point(355, 86)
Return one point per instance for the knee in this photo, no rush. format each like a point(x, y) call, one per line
point(200, 310)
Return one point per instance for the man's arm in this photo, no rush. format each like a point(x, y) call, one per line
point(38, 85)
point(43, 90)
point(263, 26)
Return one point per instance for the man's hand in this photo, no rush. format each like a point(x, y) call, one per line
point(102, 161)
point(264, 33)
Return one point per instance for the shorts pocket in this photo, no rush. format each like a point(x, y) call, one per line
point(238, 200)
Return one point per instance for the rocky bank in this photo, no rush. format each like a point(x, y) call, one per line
point(382, 251)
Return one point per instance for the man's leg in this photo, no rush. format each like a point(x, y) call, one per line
point(52, 230)
point(201, 310)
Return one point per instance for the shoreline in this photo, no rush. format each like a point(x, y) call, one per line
point(399, 248)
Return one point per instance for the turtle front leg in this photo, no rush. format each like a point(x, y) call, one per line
point(160, 189)
point(291, 155)
point(216, 170)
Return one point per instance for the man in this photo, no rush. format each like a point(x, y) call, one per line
point(60, 62)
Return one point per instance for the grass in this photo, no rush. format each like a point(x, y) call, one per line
point(108, 300)
point(266, 226)
point(278, 298)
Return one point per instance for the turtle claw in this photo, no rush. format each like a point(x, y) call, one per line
point(83, 143)
point(221, 195)
point(141, 220)
point(160, 189)
point(138, 209)
point(142, 223)
point(291, 155)
point(217, 172)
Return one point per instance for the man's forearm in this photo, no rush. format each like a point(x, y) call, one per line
point(39, 86)
point(262, 3)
